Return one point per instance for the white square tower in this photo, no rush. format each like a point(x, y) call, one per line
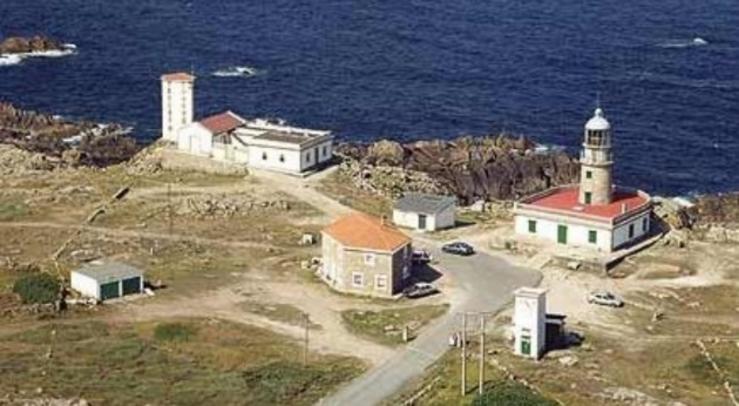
point(177, 103)
point(529, 318)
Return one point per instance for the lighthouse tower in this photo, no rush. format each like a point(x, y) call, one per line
point(596, 162)
point(177, 103)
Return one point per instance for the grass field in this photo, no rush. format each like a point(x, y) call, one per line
point(341, 188)
point(372, 324)
point(184, 362)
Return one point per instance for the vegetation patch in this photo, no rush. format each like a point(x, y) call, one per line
point(127, 364)
point(174, 332)
point(510, 394)
point(386, 326)
point(37, 288)
point(12, 211)
point(279, 312)
point(341, 187)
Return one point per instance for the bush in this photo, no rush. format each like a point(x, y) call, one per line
point(511, 394)
point(37, 288)
point(174, 332)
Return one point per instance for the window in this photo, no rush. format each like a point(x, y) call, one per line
point(631, 230)
point(307, 157)
point(357, 279)
point(644, 224)
point(282, 158)
point(325, 151)
point(588, 197)
point(369, 259)
point(380, 282)
point(264, 156)
point(592, 236)
point(532, 226)
point(588, 174)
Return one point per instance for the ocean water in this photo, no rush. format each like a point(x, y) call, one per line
point(666, 72)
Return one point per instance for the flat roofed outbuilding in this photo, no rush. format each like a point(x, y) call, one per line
point(108, 280)
point(423, 211)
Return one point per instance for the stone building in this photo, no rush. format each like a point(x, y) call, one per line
point(595, 213)
point(227, 137)
point(365, 255)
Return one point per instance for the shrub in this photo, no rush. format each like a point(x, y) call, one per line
point(511, 394)
point(174, 332)
point(37, 288)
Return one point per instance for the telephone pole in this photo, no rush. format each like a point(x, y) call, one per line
point(482, 354)
point(170, 213)
point(464, 354)
point(306, 321)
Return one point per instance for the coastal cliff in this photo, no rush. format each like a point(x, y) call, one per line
point(472, 168)
point(37, 43)
point(64, 142)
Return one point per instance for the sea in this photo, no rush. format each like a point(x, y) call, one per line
point(665, 72)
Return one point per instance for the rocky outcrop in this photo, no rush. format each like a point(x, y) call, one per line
point(715, 218)
point(472, 168)
point(22, 45)
point(65, 142)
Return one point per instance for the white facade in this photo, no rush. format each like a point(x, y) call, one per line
point(195, 139)
point(529, 319)
point(425, 221)
point(289, 157)
point(177, 103)
point(84, 284)
point(582, 233)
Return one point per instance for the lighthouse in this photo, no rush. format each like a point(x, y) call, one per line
point(177, 103)
point(596, 162)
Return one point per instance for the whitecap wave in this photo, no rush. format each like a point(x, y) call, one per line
point(695, 42)
point(236, 71)
point(9, 60)
point(15, 59)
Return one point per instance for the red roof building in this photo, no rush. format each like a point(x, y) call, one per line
point(222, 123)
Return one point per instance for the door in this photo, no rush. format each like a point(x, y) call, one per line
point(525, 345)
point(421, 221)
point(109, 290)
point(562, 234)
point(131, 286)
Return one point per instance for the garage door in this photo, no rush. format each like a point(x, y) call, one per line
point(109, 290)
point(132, 285)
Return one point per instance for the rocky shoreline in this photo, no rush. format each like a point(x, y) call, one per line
point(494, 167)
point(64, 142)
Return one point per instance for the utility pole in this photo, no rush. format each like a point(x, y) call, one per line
point(464, 354)
point(482, 354)
point(169, 207)
point(306, 321)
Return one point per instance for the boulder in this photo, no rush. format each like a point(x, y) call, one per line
point(22, 45)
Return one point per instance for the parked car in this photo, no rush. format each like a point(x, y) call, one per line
point(458, 248)
point(419, 289)
point(421, 257)
point(605, 299)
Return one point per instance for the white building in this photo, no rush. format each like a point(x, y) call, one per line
point(257, 143)
point(593, 214)
point(529, 322)
point(107, 281)
point(425, 212)
point(177, 103)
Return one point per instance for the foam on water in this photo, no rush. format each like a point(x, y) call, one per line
point(236, 71)
point(16, 59)
point(695, 42)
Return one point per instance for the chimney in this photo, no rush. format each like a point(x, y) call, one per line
point(624, 208)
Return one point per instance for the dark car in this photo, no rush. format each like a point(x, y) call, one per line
point(421, 257)
point(419, 289)
point(458, 248)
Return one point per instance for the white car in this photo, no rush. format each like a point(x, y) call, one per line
point(605, 299)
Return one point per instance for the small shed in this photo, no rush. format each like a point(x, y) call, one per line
point(109, 280)
point(422, 211)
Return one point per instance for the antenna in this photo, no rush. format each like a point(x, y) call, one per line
point(597, 99)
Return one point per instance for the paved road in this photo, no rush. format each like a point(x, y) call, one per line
point(482, 283)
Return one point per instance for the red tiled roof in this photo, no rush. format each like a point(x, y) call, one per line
point(221, 123)
point(364, 231)
point(566, 199)
point(178, 77)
